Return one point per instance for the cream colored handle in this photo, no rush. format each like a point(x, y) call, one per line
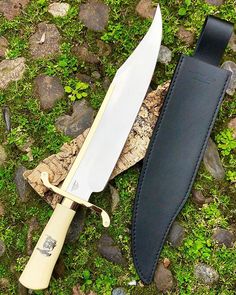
point(38, 271)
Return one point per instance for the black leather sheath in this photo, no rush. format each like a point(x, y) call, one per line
point(178, 143)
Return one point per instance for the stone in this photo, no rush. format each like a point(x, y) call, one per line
point(230, 66)
point(118, 291)
point(166, 262)
point(23, 188)
point(58, 9)
point(232, 125)
point(59, 269)
point(104, 49)
point(185, 36)
point(7, 117)
point(76, 226)
point(232, 42)
point(77, 291)
point(164, 56)
point(206, 274)
point(2, 248)
point(3, 46)
point(81, 119)
point(4, 284)
point(215, 2)
point(163, 278)
point(48, 90)
point(115, 198)
point(96, 75)
point(106, 83)
point(176, 235)
point(223, 237)
point(33, 226)
point(94, 14)
point(212, 161)
point(2, 210)
point(11, 70)
point(3, 155)
point(12, 8)
point(45, 42)
point(199, 199)
point(110, 251)
point(84, 78)
point(84, 54)
point(146, 9)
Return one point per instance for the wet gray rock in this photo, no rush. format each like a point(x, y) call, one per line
point(2, 248)
point(199, 199)
point(223, 237)
point(165, 54)
point(45, 42)
point(146, 9)
point(3, 155)
point(118, 291)
point(58, 9)
point(7, 117)
point(81, 119)
point(212, 161)
point(163, 278)
point(11, 70)
point(176, 235)
point(206, 274)
point(115, 198)
point(76, 226)
point(215, 2)
point(230, 66)
point(12, 8)
point(3, 46)
point(84, 54)
point(185, 36)
point(94, 14)
point(23, 188)
point(110, 251)
point(232, 125)
point(85, 78)
point(48, 90)
point(232, 42)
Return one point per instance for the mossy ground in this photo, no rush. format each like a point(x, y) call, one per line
point(83, 264)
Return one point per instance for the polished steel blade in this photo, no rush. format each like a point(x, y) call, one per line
point(105, 141)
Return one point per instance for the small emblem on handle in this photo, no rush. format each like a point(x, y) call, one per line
point(48, 246)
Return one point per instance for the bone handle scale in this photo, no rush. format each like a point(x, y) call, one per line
point(38, 271)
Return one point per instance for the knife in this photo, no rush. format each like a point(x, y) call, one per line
point(97, 158)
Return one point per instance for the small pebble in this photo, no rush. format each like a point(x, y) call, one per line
point(223, 237)
point(207, 274)
point(165, 55)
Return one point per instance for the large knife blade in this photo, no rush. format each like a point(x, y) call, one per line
point(98, 155)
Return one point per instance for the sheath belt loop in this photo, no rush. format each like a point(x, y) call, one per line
point(213, 40)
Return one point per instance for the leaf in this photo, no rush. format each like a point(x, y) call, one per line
point(187, 2)
point(68, 89)
point(182, 11)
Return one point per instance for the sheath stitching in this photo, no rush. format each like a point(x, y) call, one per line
point(179, 207)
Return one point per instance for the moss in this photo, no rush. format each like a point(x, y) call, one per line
point(84, 265)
